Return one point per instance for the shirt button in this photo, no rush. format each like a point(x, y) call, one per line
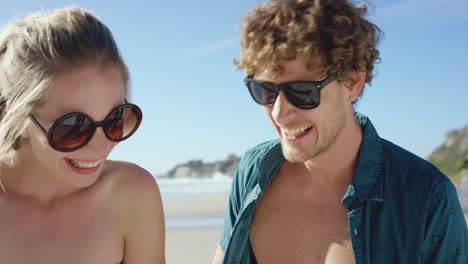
point(242, 232)
point(435, 238)
point(383, 247)
point(402, 231)
point(452, 211)
point(255, 196)
point(459, 251)
point(422, 211)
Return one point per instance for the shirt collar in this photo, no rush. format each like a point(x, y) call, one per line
point(367, 183)
point(270, 165)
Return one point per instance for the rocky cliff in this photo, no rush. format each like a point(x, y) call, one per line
point(452, 156)
point(199, 169)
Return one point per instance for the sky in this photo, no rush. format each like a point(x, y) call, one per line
point(195, 104)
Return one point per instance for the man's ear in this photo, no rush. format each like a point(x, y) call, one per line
point(355, 84)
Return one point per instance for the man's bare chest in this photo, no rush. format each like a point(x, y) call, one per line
point(290, 229)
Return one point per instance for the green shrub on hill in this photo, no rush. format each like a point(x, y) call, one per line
point(452, 156)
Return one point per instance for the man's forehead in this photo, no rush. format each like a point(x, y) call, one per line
point(300, 68)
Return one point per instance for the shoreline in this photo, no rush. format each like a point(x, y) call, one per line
point(193, 239)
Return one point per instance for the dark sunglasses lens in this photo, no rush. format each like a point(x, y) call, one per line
point(71, 132)
point(303, 95)
point(262, 93)
point(122, 122)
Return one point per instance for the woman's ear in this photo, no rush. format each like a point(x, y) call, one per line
point(355, 84)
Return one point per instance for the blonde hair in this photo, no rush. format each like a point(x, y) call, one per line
point(333, 34)
point(37, 48)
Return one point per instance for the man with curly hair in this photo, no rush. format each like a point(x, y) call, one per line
point(330, 190)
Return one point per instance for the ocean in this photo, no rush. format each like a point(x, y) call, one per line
point(187, 187)
point(172, 189)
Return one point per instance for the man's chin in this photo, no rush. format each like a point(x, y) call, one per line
point(294, 155)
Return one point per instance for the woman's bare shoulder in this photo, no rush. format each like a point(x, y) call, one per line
point(137, 207)
point(130, 184)
point(126, 173)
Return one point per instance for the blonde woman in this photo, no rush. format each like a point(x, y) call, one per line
point(64, 102)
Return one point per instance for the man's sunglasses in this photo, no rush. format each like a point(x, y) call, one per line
point(73, 131)
point(301, 94)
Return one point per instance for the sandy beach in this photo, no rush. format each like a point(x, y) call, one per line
point(193, 244)
point(196, 206)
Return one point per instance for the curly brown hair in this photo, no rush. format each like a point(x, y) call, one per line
point(333, 34)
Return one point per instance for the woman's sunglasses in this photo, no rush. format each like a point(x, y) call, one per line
point(73, 131)
point(301, 94)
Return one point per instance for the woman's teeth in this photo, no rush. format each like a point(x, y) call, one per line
point(83, 165)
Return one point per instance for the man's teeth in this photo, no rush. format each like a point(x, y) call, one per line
point(295, 132)
point(83, 165)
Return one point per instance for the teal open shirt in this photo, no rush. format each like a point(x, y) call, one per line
point(402, 209)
